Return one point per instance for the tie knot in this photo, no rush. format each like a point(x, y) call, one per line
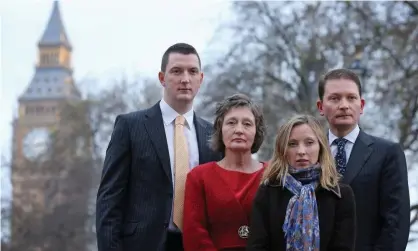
point(180, 120)
point(340, 141)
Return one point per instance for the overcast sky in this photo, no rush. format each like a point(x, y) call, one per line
point(110, 38)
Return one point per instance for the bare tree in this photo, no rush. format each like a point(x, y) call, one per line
point(391, 33)
point(279, 50)
point(413, 7)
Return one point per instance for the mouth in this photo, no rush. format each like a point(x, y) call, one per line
point(238, 140)
point(343, 116)
point(185, 89)
point(302, 161)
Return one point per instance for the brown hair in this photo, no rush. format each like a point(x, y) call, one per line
point(337, 74)
point(222, 108)
point(181, 48)
point(278, 167)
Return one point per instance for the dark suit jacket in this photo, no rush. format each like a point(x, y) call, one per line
point(377, 173)
point(337, 218)
point(134, 199)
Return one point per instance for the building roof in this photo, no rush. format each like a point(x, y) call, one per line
point(52, 82)
point(54, 33)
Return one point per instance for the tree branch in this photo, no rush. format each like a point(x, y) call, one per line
point(413, 6)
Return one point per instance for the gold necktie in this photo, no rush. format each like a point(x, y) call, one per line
point(181, 168)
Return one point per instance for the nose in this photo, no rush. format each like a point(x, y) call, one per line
point(238, 128)
point(185, 77)
point(301, 150)
point(344, 104)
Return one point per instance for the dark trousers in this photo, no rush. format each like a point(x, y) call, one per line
point(174, 241)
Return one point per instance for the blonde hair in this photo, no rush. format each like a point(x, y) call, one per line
point(278, 166)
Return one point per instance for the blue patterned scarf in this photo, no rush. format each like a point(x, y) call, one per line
point(301, 226)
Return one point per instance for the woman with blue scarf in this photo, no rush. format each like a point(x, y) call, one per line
point(300, 205)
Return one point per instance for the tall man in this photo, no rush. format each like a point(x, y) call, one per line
point(374, 167)
point(140, 198)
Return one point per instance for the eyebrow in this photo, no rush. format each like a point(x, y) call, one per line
point(180, 67)
point(308, 138)
point(235, 118)
point(340, 94)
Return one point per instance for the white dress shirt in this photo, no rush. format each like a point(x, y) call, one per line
point(351, 139)
point(169, 116)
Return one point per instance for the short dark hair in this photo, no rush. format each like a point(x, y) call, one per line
point(181, 48)
point(222, 108)
point(337, 74)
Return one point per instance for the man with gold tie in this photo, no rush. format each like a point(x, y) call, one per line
point(141, 194)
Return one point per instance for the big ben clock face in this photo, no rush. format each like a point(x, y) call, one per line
point(36, 143)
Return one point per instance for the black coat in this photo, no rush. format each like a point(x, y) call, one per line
point(337, 218)
point(377, 173)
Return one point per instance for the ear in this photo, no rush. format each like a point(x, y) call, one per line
point(319, 106)
point(161, 77)
point(362, 104)
point(201, 77)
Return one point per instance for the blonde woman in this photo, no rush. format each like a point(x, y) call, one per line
point(300, 205)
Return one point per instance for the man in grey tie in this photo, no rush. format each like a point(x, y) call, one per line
point(375, 168)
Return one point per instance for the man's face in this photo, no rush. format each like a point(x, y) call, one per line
point(341, 104)
point(182, 77)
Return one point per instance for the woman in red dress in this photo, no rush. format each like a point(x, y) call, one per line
point(219, 195)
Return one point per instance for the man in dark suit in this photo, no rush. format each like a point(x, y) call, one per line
point(375, 168)
point(135, 208)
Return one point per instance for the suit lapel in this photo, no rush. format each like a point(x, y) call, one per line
point(154, 125)
point(202, 134)
point(361, 152)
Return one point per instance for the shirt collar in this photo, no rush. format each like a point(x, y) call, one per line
point(352, 136)
point(169, 114)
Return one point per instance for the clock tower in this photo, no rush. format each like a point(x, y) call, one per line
point(51, 85)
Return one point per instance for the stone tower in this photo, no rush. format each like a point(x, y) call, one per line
point(39, 114)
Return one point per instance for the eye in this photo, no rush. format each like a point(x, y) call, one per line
point(292, 144)
point(176, 71)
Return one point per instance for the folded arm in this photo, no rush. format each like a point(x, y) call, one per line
point(112, 189)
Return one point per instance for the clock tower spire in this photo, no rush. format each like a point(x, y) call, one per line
point(51, 85)
point(54, 46)
point(53, 76)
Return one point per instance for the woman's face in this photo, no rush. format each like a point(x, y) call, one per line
point(238, 129)
point(303, 147)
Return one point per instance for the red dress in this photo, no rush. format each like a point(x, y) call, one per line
point(217, 207)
